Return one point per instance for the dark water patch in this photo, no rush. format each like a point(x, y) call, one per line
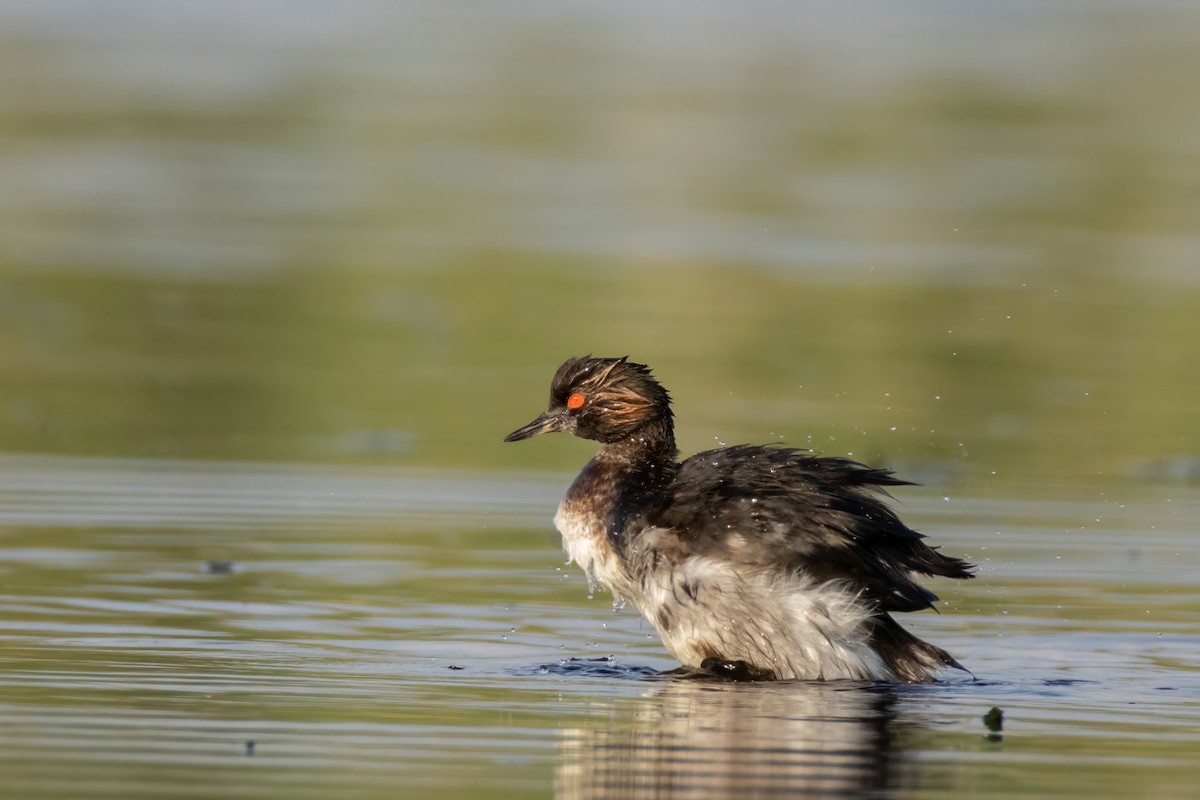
point(595, 667)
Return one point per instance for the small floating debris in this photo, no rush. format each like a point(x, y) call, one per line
point(994, 721)
point(455, 667)
point(249, 747)
point(214, 567)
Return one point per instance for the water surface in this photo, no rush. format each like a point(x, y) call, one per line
point(394, 634)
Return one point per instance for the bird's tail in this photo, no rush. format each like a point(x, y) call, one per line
point(913, 660)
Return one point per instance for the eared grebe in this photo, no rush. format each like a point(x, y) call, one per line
point(750, 561)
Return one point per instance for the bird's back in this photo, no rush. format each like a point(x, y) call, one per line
point(784, 508)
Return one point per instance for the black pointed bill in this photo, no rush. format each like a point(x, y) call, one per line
point(545, 423)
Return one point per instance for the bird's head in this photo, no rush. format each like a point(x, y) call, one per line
point(605, 399)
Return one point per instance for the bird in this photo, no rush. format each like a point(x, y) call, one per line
point(752, 562)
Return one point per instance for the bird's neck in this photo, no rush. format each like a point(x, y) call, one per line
point(651, 446)
point(634, 473)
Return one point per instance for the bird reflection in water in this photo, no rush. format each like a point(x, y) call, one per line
point(693, 739)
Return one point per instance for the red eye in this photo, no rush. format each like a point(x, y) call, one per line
point(576, 401)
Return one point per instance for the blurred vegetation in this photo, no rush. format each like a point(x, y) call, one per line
point(977, 264)
point(1051, 377)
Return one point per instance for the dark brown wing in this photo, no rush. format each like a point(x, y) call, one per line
point(776, 506)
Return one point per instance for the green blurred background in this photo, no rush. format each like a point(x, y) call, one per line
point(956, 238)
